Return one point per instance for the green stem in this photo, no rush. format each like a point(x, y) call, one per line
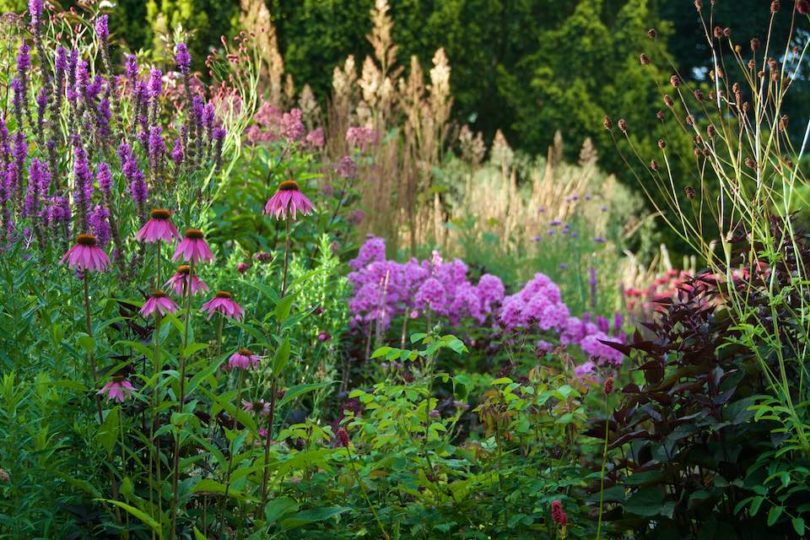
point(353, 466)
point(181, 398)
point(90, 353)
point(231, 452)
point(602, 479)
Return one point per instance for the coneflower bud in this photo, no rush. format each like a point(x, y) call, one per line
point(783, 122)
point(710, 131)
point(608, 123)
point(622, 123)
point(675, 81)
point(654, 165)
point(718, 32)
point(775, 6)
point(608, 386)
point(668, 101)
point(662, 144)
point(660, 116)
point(651, 33)
point(727, 32)
point(690, 193)
point(644, 59)
point(755, 44)
point(750, 163)
point(698, 4)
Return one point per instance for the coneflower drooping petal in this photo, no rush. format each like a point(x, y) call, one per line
point(180, 281)
point(193, 248)
point(158, 228)
point(288, 201)
point(243, 359)
point(223, 303)
point(85, 255)
point(118, 389)
point(159, 303)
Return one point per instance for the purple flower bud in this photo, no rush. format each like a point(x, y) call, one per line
point(23, 59)
point(99, 223)
point(177, 152)
point(102, 28)
point(61, 61)
point(131, 67)
point(35, 10)
point(157, 147)
point(183, 58)
point(155, 83)
point(104, 178)
point(83, 179)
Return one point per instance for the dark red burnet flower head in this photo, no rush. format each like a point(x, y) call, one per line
point(558, 514)
point(342, 437)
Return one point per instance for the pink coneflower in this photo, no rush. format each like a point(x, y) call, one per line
point(117, 389)
point(288, 200)
point(260, 407)
point(159, 227)
point(86, 255)
point(160, 303)
point(243, 359)
point(193, 248)
point(223, 303)
point(180, 280)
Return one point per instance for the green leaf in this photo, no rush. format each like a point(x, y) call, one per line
point(756, 502)
point(798, 525)
point(108, 432)
point(278, 508)
point(773, 514)
point(284, 307)
point(198, 535)
point(299, 390)
point(646, 502)
point(192, 348)
point(282, 357)
point(143, 516)
point(311, 516)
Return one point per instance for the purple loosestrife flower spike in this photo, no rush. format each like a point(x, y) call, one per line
point(102, 28)
point(131, 68)
point(35, 8)
point(183, 58)
point(155, 83)
point(99, 223)
point(104, 179)
point(177, 152)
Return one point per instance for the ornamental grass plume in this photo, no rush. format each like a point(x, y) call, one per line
point(158, 303)
point(288, 201)
point(193, 248)
point(183, 279)
point(118, 389)
point(159, 227)
point(223, 303)
point(86, 255)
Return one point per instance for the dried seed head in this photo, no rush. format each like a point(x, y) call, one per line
point(675, 81)
point(745, 107)
point(622, 123)
point(660, 116)
point(651, 33)
point(760, 73)
point(711, 131)
point(662, 144)
point(690, 193)
point(773, 65)
point(775, 5)
point(644, 59)
point(718, 32)
point(737, 49)
point(727, 32)
point(755, 44)
point(654, 165)
point(608, 385)
point(608, 123)
point(803, 7)
point(697, 151)
point(698, 140)
point(735, 88)
point(690, 120)
point(698, 4)
point(750, 163)
point(699, 95)
point(668, 101)
point(783, 122)
point(751, 64)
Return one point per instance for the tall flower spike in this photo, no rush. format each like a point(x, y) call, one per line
point(193, 248)
point(288, 201)
point(86, 255)
point(223, 303)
